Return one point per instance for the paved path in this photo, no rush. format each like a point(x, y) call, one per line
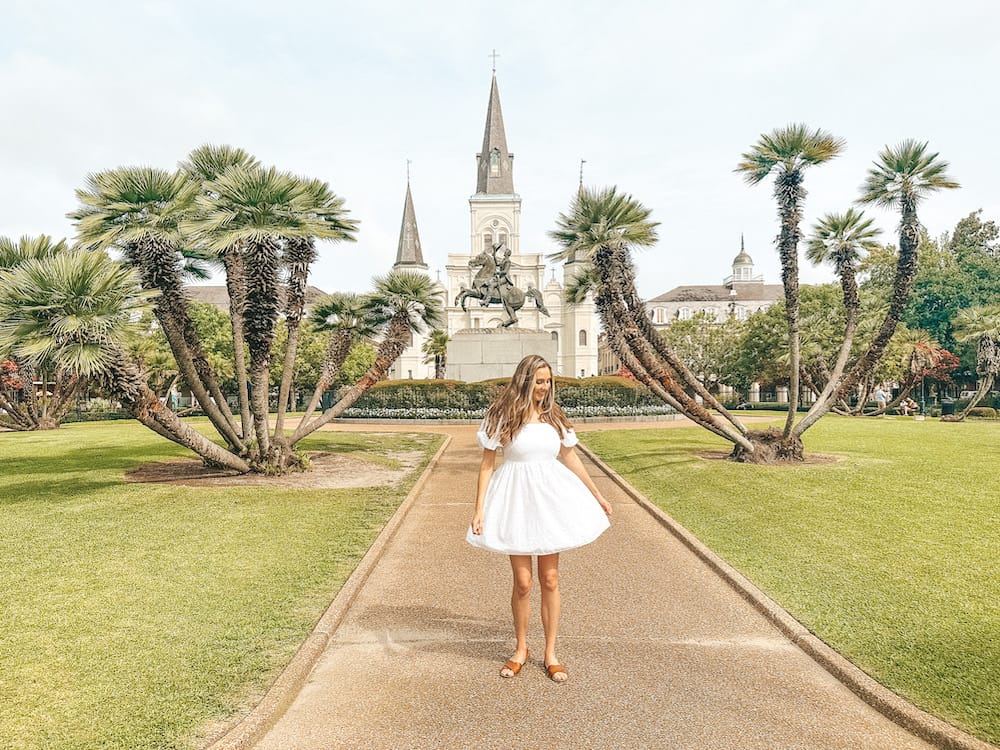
point(661, 652)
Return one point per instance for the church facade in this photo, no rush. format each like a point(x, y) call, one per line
point(495, 220)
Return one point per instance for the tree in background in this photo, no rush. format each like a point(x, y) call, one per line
point(435, 349)
point(982, 326)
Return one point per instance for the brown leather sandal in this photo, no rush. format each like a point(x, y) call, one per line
point(553, 670)
point(514, 667)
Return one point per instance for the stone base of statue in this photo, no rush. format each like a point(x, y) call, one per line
point(476, 354)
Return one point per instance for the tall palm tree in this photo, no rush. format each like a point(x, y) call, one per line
point(840, 240)
point(347, 319)
point(402, 303)
point(256, 208)
point(600, 229)
point(787, 152)
point(901, 178)
point(136, 210)
point(204, 164)
point(435, 349)
point(982, 325)
point(76, 309)
point(24, 408)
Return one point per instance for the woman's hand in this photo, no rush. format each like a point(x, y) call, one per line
point(477, 523)
point(605, 506)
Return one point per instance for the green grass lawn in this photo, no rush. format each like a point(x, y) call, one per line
point(134, 616)
point(891, 555)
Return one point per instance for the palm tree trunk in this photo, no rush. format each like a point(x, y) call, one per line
point(638, 314)
point(985, 384)
point(830, 393)
point(236, 286)
point(396, 337)
point(789, 193)
point(906, 271)
point(261, 262)
point(159, 268)
point(125, 381)
point(338, 347)
point(299, 255)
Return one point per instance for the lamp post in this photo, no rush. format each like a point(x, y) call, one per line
point(732, 303)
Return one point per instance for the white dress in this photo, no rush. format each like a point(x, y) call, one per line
point(534, 504)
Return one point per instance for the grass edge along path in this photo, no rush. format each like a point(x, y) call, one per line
point(888, 555)
point(135, 616)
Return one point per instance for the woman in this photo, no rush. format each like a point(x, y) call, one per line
point(541, 501)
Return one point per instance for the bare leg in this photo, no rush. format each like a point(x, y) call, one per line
point(548, 578)
point(520, 606)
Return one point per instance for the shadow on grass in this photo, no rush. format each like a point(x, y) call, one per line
point(54, 490)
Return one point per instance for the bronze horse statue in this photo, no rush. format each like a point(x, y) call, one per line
point(488, 288)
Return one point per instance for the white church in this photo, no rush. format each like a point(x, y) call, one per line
point(495, 218)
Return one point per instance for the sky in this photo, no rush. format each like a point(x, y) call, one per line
point(660, 99)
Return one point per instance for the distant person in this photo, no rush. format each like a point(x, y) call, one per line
point(880, 398)
point(541, 501)
point(909, 406)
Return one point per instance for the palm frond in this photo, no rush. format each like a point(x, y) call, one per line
point(841, 238)
point(905, 172)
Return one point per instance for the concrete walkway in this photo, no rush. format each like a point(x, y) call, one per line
point(661, 652)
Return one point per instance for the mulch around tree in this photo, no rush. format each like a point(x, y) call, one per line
point(811, 459)
point(327, 471)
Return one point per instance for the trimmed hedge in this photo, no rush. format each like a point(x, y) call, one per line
point(452, 399)
point(986, 412)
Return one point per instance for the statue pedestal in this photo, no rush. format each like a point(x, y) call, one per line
point(476, 354)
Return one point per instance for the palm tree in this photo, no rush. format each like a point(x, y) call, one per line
point(24, 408)
point(402, 303)
point(982, 325)
point(840, 240)
point(787, 152)
point(204, 164)
point(435, 349)
point(136, 210)
point(600, 229)
point(902, 177)
point(346, 318)
point(75, 309)
point(255, 209)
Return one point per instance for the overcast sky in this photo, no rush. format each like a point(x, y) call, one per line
point(660, 98)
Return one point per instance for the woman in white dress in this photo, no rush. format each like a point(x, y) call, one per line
point(540, 502)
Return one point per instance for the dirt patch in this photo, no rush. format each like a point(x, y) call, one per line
point(811, 459)
point(328, 471)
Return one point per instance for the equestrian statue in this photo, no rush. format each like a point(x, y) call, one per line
point(492, 284)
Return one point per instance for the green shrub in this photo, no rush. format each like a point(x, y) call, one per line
point(986, 412)
point(450, 399)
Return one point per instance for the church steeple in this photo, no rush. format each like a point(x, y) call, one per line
point(409, 254)
point(495, 163)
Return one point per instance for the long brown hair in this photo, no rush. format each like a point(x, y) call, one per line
point(510, 410)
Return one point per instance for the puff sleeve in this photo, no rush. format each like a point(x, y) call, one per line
point(487, 441)
point(569, 439)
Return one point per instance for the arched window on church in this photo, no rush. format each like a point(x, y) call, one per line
point(495, 162)
point(487, 241)
point(501, 237)
point(684, 313)
point(555, 337)
point(583, 337)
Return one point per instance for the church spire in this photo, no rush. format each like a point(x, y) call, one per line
point(495, 163)
point(409, 253)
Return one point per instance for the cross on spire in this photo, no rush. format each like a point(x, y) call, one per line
point(494, 55)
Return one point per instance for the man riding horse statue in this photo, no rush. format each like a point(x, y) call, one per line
point(492, 284)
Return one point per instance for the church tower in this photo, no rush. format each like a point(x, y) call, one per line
point(410, 257)
point(494, 218)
